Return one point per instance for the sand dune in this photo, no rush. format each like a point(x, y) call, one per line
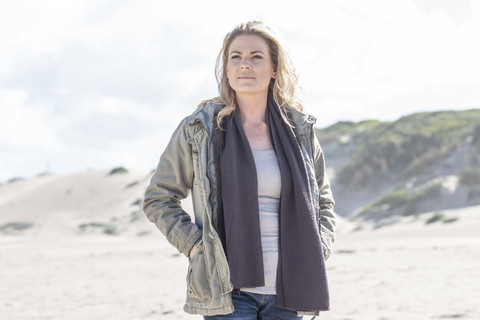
point(54, 269)
point(60, 204)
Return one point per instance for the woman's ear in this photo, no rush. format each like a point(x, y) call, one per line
point(274, 73)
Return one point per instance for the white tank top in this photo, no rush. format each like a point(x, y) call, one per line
point(269, 187)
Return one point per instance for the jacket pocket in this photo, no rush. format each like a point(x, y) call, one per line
point(198, 286)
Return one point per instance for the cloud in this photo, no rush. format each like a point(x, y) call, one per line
point(25, 133)
point(458, 11)
point(23, 123)
point(388, 51)
point(100, 83)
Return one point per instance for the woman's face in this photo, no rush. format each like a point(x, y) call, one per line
point(249, 67)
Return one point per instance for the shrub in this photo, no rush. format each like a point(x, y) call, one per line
point(132, 184)
point(137, 202)
point(437, 216)
point(440, 216)
point(15, 226)
point(449, 220)
point(118, 170)
point(109, 229)
point(15, 179)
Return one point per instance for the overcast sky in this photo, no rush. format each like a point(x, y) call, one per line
point(103, 83)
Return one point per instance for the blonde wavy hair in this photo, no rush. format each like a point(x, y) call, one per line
point(283, 86)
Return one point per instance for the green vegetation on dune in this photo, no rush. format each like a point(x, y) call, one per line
point(15, 226)
point(401, 201)
point(106, 228)
point(344, 128)
point(118, 170)
point(440, 216)
point(402, 148)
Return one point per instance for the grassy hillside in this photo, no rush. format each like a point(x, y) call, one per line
point(392, 162)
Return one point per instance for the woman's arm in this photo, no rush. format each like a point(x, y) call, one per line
point(171, 182)
point(326, 202)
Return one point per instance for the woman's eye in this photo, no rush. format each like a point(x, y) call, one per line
point(235, 57)
point(257, 57)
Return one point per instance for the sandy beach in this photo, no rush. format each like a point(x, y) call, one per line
point(408, 269)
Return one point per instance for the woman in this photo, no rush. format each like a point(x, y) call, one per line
point(264, 220)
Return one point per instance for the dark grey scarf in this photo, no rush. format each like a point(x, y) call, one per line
point(301, 277)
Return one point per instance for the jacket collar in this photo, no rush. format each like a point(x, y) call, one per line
point(207, 111)
point(299, 118)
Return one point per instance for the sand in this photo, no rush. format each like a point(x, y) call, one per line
point(405, 269)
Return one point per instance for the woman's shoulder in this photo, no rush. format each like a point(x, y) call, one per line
point(298, 116)
point(213, 104)
point(206, 110)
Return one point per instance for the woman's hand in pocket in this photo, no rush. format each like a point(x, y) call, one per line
point(193, 251)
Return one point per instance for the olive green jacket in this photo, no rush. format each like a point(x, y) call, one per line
point(187, 164)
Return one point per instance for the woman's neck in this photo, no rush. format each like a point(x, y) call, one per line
point(252, 108)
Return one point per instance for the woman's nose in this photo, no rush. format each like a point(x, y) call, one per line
point(245, 63)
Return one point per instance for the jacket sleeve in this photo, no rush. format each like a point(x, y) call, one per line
point(171, 182)
point(326, 202)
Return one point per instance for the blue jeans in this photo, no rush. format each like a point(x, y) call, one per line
point(252, 306)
